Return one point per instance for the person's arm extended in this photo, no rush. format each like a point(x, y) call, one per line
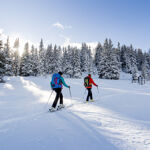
point(93, 82)
point(64, 83)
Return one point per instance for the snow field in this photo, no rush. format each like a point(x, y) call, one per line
point(118, 119)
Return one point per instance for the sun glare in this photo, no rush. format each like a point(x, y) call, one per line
point(22, 42)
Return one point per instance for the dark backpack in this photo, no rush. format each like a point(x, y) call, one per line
point(86, 81)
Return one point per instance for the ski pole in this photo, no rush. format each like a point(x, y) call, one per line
point(48, 99)
point(98, 89)
point(70, 96)
point(84, 94)
point(70, 93)
point(98, 93)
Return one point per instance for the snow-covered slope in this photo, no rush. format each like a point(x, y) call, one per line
point(118, 119)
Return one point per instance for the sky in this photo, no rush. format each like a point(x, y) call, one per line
point(64, 22)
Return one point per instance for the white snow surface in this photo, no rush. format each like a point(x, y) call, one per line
point(119, 119)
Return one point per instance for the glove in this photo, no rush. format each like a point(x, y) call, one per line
point(96, 85)
point(69, 87)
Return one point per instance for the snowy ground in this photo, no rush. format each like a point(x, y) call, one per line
point(118, 119)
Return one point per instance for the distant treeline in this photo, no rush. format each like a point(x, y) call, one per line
point(106, 61)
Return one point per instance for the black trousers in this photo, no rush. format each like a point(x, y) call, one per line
point(89, 94)
point(58, 95)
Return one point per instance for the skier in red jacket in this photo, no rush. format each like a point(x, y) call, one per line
point(88, 81)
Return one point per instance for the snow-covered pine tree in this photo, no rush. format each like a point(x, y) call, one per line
point(118, 55)
point(140, 59)
point(16, 63)
point(8, 59)
point(67, 62)
point(113, 63)
point(147, 57)
point(145, 69)
point(115, 71)
point(108, 66)
point(2, 62)
point(25, 66)
point(36, 62)
point(102, 63)
point(102, 66)
point(33, 60)
point(125, 59)
point(133, 57)
point(41, 65)
point(49, 60)
point(57, 59)
point(98, 52)
point(98, 57)
point(64, 60)
point(76, 64)
point(84, 57)
point(90, 61)
point(16, 58)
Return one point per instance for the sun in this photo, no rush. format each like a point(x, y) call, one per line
point(22, 42)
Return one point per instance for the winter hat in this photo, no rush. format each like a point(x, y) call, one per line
point(61, 73)
point(89, 75)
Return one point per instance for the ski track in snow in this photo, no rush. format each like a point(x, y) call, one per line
point(82, 125)
point(123, 133)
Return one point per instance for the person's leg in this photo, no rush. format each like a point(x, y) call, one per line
point(61, 98)
point(90, 93)
point(58, 91)
point(87, 99)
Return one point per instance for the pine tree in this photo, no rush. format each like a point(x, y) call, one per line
point(84, 58)
point(8, 59)
point(147, 58)
point(98, 57)
point(98, 53)
point(139, 59)
point(108, 66)
point(2, 62)
point(125, 59)
point(25, 69)
point(76, 64)
point(57, 59)
point(67, 63)
point(145, 69)
point(114, 65)
point(90, 61)
point(49, 59)
point(133, 60)
point(16, 58)
point(36, 62)
point(33, 59)
point(118, 55)
point(16, 63)
point(42, 69)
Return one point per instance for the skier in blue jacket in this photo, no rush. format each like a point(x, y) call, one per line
point(57, 85)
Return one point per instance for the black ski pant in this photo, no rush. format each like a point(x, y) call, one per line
point(89, 94)
point(58, 95)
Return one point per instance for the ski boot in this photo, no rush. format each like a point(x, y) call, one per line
point(60, 106)
point(92, 100)
point(52, 109)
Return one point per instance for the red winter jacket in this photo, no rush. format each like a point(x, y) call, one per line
point(91, 82)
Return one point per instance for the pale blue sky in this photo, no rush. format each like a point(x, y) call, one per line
point(76, 21)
